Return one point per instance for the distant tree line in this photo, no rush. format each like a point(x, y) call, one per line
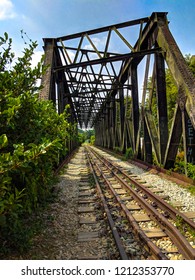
point(86, 136)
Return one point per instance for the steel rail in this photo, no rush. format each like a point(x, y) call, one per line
point(174, 213)
point(168, 227)
point(115, 233)
point(142, 236)
point(176, 236)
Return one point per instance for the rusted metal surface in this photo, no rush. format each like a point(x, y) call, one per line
point(179, 240)
point(122, 252)
point(154, 249)
point(102, 87)
point(47, 81)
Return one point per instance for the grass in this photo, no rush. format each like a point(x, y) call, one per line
point(191, 189)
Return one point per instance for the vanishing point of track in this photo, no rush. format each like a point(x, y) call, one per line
point(136, 204)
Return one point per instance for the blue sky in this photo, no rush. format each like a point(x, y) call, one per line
point(54, 18)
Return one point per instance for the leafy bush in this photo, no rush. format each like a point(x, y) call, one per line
point(117, 149)
point(180, 166)
point(129, 153)
point(179, 163)
point(32, 136)
point(191, 170)
point(92, 139)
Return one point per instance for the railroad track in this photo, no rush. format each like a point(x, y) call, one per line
point(132, 207)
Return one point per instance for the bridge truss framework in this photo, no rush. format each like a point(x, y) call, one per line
point(97, 72)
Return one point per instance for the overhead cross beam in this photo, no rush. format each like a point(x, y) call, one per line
point(98, 71)
point(104, 29)
point(106, 60)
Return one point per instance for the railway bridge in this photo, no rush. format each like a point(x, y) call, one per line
point(114, 80)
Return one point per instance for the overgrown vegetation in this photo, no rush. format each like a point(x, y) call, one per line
point(180, 167)
point(87, 136)
point(32, 135)
point(129, 154)
point(183, 228)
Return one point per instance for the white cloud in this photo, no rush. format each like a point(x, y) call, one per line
point(6, 9)
point(36, 57)
point(98, 42)
point(71, 55)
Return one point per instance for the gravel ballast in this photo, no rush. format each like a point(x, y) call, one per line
point(175, 192)
point(59, 237)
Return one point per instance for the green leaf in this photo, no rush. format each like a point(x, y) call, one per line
point(6, 36)
point(2, 220)
point(3, 141)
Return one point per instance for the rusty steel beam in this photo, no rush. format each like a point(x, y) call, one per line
point(179, 69)
point(135, 104)
point(97, 88)
point(107, 59)
point(161, 105)
point(103, 29)
point(48, 91)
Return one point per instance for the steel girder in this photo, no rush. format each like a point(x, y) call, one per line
point(97, 72)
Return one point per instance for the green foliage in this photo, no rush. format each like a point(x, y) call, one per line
point(179, 163)
point(190, 59)
point(180, 166)
point(191, 189)
point(191, 170)
point(129, 153)
point(81, 138)
point(92, 139)
point(117, 149)
point(33, 136)
point(183, 227)
point(85, 135)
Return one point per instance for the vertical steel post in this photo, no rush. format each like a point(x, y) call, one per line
point(48, 82)
point(161, 105)
point(147, 145)
point(114, 121)
point(135, 104)
point(188, 140)
point(174, 139)
point(122, 115)
point(110, 146)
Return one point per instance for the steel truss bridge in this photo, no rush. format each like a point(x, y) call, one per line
point(112, 77)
